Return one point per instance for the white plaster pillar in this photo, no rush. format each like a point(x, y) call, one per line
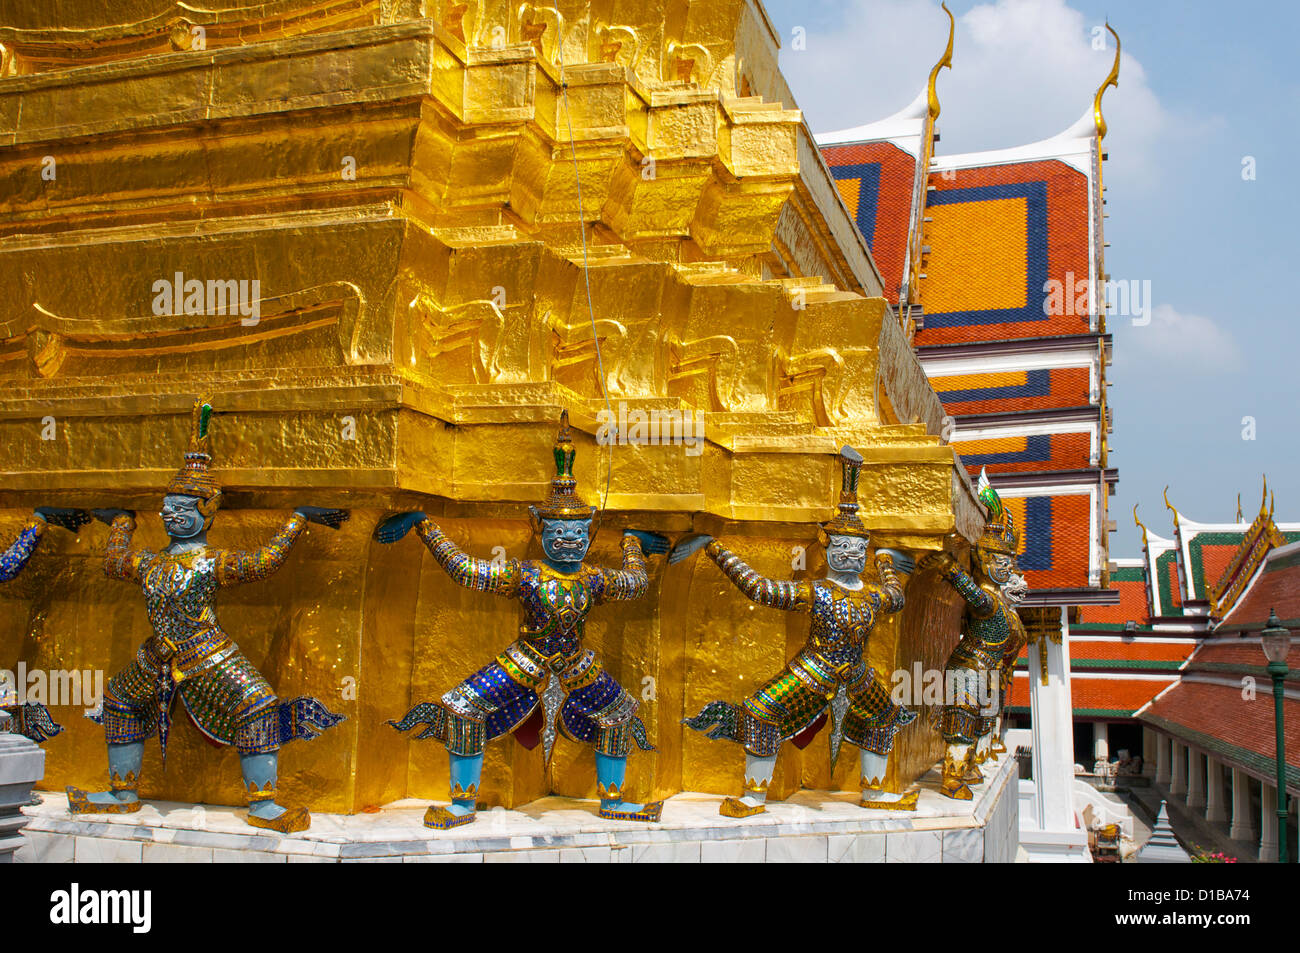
point(1178, 782)
point(1195, 780)
point(1163, 743)
point(1268, 825)
point(1216, 808)
point(1053, 727)
point(1101, 741)
point(1241, 827)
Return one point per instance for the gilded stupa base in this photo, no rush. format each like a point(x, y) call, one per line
point(808, 826)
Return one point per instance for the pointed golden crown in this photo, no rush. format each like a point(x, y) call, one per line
point(846, 522)
point(195, 478)
point(999, 529)
point(564, 502)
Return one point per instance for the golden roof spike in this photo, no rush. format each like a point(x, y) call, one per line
point(945, 60)
point(1111, 80)
point(1238, 507)
point(1263, 500)
point(1171, 507)
point(1140, 525)
point(1271, 500)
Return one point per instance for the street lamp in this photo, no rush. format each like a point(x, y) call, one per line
point(1277, 643)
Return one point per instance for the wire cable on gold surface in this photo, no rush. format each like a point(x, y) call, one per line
point(586, 277)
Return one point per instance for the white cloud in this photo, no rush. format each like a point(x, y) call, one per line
point(1023, 70)
point(1175, 340)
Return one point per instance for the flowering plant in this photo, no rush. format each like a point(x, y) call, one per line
point(1214, 857)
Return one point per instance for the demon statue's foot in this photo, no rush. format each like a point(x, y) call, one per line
point(958, 762)
point(626, 811)
point(886, 801)
point(282, 820)
point(955, 788)
point(973, 774)
point(102, 802)
point(741, 807)
point(442, 818)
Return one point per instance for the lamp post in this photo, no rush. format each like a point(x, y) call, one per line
point(1277, 643)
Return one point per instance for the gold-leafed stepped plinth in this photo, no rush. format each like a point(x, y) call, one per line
point(401, 192)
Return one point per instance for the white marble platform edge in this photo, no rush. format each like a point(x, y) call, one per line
point(551, 825)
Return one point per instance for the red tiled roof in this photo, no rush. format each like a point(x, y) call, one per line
point(1214, 560)
point(1231, 653)
point(1096, 693)
point(1132, 606)
point(1163, 650)
point(890, 213)
point(1060, 252)
point(1224, 718)
point(1278, 588)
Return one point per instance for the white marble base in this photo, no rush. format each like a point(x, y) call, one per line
point(812, 826)
point(22, 764)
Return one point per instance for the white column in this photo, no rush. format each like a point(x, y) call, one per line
point(1101, 741)
point(1178, 782)
point(1162, 758)
point(1268, 825)
point(1241, 827)
point(1053, 726)
point(1216, 809)
point(1195, 780)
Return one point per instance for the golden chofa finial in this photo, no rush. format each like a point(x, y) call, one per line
point(1238, 507)
point(946, 60)
point(1169, 506)
point(1263, 500)
point(1137, 522)
point(1111, 80)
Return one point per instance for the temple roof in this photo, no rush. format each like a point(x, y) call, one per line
point(1276, 587)
point(1099, 696)
point(1214, 715)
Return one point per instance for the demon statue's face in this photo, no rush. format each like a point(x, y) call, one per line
point(566, 541)
point(181, 517)
point(1015, 590)
point(846, 553)
point(998, 567)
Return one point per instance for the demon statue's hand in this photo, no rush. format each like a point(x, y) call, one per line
point(688, 546)
point(107, 516)
point(392, 528)
point(323, 515)
point(902, 562)
point(651, 543)
point(69, 519)
point(940, 561)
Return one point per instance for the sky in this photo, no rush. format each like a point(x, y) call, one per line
point(1207, 93)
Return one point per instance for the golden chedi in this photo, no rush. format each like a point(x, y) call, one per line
point(396, 239)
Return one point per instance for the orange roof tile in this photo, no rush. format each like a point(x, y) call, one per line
point(1098, 693)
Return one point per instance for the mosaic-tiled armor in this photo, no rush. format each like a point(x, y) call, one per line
point(190, 656)
point(990, 745)
point(975, 668)
point(793, 705)
point(32, 719)
point(548, 661)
